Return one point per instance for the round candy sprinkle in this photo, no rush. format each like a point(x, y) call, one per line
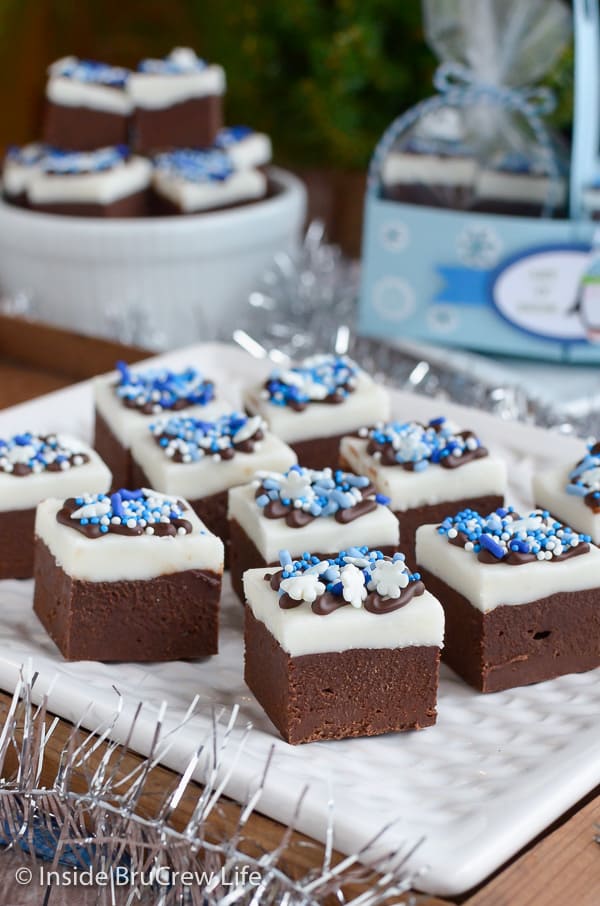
point(318, 378)
point(505, 536)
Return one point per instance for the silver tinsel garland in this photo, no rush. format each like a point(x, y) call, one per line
point(308, 303)
point(86, 832)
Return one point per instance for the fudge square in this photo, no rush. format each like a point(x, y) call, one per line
point(177, 102)
point(340, 647)
point(103, 183)
point(87, 105)
point(521, 596)
point(301, 509)
point(202, 460)
point(134, 576)
point(32, 467)
point(572, 492)
point(19, 167)
point(313, 405)
point(189, 181)
point(127, 401)
point(427, 471)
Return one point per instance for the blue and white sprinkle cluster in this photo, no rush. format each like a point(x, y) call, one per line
point(421, 445)
point(181, 60)
point(504, 532)
point(192, 439)
point(140, 511)
point(318, 492)
point(27, 155)
point(584, 479)
point(316, 379)
point(33, 453)
point(232, 135)
point(90, 71)
point(351, 576)
point(198, 166)
point(163, 389)
point(69, 162)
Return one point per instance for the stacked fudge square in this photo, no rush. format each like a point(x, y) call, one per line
point(122, 143)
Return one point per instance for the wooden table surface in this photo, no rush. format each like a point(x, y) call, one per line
point(560, 868)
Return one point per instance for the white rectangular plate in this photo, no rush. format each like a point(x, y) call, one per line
point(493, 772)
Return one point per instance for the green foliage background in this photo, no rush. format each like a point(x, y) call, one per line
point(323, 77)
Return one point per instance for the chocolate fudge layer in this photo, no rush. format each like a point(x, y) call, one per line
point(298, 694)
point(318, 453)
point(82, 128)
point(16, 549)
point(520, 594)
point(193, 123)
point(514, 645)
point(243, 555)
point(114, 453)
point(172, 617)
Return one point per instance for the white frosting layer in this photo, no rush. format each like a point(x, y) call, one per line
point(369, 403)
point(377, 529)
point(242, 185)
point(152, 90)
point(194, 480)
point(430, 169)
point(300, 631)
point(250, 152)
point(101, 187)
point(115, 558)
point(125, 423)
point(518, 187)
point(68, 92)
point(549, 493)
point(489, 585)
point(431, 486)
point(24, 493)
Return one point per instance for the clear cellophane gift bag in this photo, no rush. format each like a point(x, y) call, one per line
point(481, 143)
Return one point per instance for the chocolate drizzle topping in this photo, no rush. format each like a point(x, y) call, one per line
point(30, 454)
point(129, 513)
point(299, 496)
point(359, 578)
